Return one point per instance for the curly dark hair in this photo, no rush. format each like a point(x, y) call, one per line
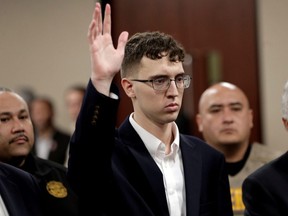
point(153, 45)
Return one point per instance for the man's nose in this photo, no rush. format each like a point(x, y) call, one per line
point(173, 89)
point(17, 125)
point(227, 115)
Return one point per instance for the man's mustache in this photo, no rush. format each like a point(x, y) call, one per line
point(19, 136)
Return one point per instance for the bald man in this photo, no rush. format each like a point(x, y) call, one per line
point(225, 120)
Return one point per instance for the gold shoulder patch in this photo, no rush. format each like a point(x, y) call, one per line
point(56, 189)
point(236, 198)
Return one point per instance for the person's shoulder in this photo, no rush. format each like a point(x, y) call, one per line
point(267, 169)
point(44, 164)
point(8, 169)
point(199, 143)
point(264, 153)
point(14, 173)
point(265, 148)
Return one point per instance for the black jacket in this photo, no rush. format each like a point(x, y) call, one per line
point(265, 190)
point(57, 196)
point(19, 191)
point(128, 181)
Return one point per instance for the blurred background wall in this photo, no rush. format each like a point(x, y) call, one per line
point(43, 47)
point(273, 54)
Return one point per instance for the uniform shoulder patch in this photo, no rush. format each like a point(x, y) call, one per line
point(56, 189)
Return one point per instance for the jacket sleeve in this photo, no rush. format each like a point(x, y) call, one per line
point(257, 199)
point(91, 145)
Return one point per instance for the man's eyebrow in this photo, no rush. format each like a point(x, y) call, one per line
point(236, 104)
point(165, 75)
point(216, 105)
point(10, 113)
point(23, 111)
point(5, 113)
point(213, 106)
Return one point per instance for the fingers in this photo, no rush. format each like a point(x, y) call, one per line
point(98, 18)
point(107, 20)
point(95, 27)
point(91, 32)
point(122, 40)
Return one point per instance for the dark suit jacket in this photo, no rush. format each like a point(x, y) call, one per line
point(265, 192)
point(19, 191)
point(116, 168)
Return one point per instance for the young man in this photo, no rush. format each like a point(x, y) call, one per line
point(225, 119)
point(265, 190)
point(145, 167)
point(16, 142)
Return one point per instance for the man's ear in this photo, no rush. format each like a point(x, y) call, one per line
point(285, 122)
point(199, 122)
point(127, 85)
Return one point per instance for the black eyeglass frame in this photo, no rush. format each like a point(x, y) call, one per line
point(164, 86)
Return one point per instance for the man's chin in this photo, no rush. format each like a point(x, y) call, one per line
point(229, 142)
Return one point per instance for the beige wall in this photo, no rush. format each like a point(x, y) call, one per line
point(43, 45)
point(273, 51)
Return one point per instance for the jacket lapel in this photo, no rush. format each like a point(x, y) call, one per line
point(10, 193)
point(191, 161)
point(146, 162)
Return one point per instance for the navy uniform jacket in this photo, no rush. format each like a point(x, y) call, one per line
point(117, 171)
point(57, 196)
point(265, 191)
point(19, 191)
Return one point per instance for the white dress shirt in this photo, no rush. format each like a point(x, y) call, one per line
point(3, 210)
point(43, 147)
point(170, 165)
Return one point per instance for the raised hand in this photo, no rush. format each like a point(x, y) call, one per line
point(105, 59)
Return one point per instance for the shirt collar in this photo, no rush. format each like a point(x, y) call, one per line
point(151, 142)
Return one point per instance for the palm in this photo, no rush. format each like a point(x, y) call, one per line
point(105, 58)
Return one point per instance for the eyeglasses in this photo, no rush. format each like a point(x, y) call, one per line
point(162, 83)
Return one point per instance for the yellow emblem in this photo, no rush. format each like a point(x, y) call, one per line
point(56, 189)
point(236, 198)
